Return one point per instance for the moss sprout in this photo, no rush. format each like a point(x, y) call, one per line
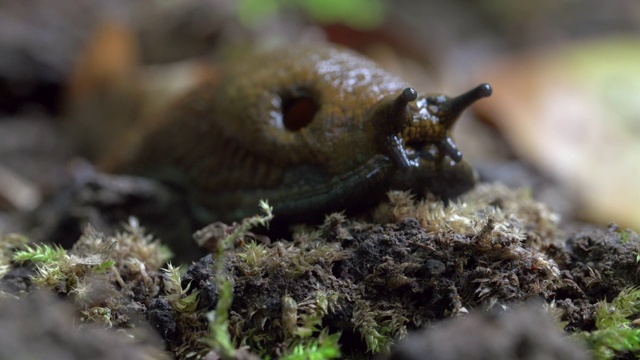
point(254, 256)
point(90, 270)
point(513, 212)
point(616, 331)
point(378, 328)
point(325, 346)
point(61, 271)
point(40, 254)
point(179, 297)
point(219, 339)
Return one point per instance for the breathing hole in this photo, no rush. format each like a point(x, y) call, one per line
point(298, 112)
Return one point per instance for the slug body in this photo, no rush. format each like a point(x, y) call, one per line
point(311, 129)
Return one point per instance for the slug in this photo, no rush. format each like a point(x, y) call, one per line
point(312, 129)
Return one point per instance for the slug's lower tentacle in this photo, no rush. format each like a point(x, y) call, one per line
point(398, 153)
point(448, 147)
point(389, 119)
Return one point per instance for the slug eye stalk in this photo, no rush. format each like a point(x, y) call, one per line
point(451, 108)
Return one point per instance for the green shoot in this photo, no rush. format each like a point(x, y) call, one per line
point(377, 328)
point(616, 334)
point(219, 338)
point(325, 347)
point(104, 266)
point(617, 313)
point(44, 254)
point(176, 295)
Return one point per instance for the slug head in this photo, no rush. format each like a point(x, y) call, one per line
point(417, 138)
point(433, 119)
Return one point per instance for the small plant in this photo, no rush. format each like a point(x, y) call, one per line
point(617, 314)
point(311, 313)
point(627, 236)
point(61, 271)
point(135, 244)
point(219, 338)
point(302, 324)
point(90, 270)
point(616, 332)
point(324, 347)
point(378, 328)
point(176, 295)
point(254, 256)
point(40, 254)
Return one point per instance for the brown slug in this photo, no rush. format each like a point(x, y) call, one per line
point(310, 128)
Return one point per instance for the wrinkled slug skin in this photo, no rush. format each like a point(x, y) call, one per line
point(311, 129)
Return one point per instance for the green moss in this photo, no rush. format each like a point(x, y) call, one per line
point(179, 297)
point(324, 347)
point(254, 256)
point(63, 272)
point(616, 333)
point(40, 254)
point(378, 328)
point(90, 270)
point(618, 313)
point(219, 338)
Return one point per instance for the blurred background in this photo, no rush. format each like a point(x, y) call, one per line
point(564, 119)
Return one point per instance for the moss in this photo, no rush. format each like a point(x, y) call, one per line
point(254, 257)
point(98, 271)
point(178, 297)
point(513, 212)
point(219, 338)
point(40, 254)
point(616, 332)
point(378, 328)
point(64, 272)
point(323, 347)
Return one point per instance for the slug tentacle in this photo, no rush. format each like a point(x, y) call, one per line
point(448, 147)
point(398, 153)
point(395, 145)
point(451, 108)
point(400, 103)
point(390, 118)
